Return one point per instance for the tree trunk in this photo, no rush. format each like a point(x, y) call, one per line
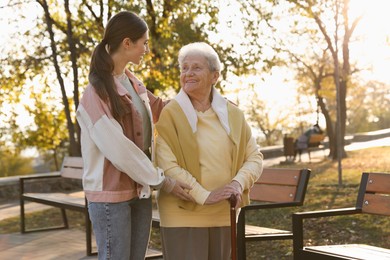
point(329, 125)
point(73, 147)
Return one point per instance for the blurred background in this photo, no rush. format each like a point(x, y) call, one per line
point(287, 64)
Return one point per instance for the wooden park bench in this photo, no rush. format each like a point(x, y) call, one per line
point(276, 188)
point(373, 198)
point(72, 168)
point(315, 141)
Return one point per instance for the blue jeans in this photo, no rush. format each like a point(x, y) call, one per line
point(122, 229)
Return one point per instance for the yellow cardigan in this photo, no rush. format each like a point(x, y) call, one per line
point(174, 128)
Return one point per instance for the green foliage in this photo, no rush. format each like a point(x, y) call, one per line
point(170, 29)
point(173, 25)
point(304, 36)
point(59, 54)
point(369, 107)
point(272, 126)
point(12, 164)
point(48, 133)
point(29, 55)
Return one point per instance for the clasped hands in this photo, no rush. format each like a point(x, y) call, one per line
point(180, 190)
point(223, 193)
point(177, 188)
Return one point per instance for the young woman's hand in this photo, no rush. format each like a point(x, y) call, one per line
point(177, 188)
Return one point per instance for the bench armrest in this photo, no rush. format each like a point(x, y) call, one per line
point(271, 205)
point(298, 217)
point(41, 176)
point(326, 213)
point(242, 216)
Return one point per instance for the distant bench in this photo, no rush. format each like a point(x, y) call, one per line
point(72, 168)
point(373, 198)
point(315, 141)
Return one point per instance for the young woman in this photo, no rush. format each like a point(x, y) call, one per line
point(116, 116)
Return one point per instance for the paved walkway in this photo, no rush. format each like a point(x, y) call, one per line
point(47, 245)
point(70, 244)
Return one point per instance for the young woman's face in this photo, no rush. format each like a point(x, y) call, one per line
point(139, 48)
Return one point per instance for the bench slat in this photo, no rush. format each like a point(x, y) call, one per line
point(73, 162)
point(72, 167)
point(272, 193)
point(358, 251)
point(376, 204)
point(316, 138)
point(276, 185)
point(73, 199)
point(279, 176)
point(256, 230)
point(378, 183)
point(152, 253)
point(72, 173)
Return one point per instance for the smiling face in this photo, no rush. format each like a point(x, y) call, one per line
point(138, 49)
point(196, 78)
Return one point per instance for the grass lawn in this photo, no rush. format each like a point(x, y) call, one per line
point(323, 193)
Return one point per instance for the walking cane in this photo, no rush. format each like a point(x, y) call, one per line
point(233, 202)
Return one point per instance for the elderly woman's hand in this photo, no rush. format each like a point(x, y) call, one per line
point(238, 192)
point(224, 193)
point(177, 188)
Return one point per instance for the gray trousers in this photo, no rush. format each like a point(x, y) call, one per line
point(186, 243)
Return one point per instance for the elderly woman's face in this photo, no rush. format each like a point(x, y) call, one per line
point(196, 78)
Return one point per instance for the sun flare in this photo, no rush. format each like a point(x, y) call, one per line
point(373, 32)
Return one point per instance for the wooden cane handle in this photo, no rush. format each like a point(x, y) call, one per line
point(233, 201)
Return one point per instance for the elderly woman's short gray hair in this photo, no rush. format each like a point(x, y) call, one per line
point(203, 49)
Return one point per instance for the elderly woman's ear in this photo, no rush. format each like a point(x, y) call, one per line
point(216, 75)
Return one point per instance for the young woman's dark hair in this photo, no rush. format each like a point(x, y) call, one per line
point(123, 25)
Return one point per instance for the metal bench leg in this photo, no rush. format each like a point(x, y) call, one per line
point(64, 218)
point(88, 235)
point(22, 217)
point(23, 220)
point(88, 231)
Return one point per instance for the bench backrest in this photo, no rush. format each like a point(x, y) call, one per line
point(72, 167)
point(316, 138)
point(281, 185)
point(374, 193)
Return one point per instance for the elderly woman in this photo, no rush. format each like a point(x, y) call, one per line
point(204, 141)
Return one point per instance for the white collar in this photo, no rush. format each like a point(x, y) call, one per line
point(219, 105)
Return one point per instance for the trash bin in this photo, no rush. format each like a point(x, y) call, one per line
point(288, 148)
